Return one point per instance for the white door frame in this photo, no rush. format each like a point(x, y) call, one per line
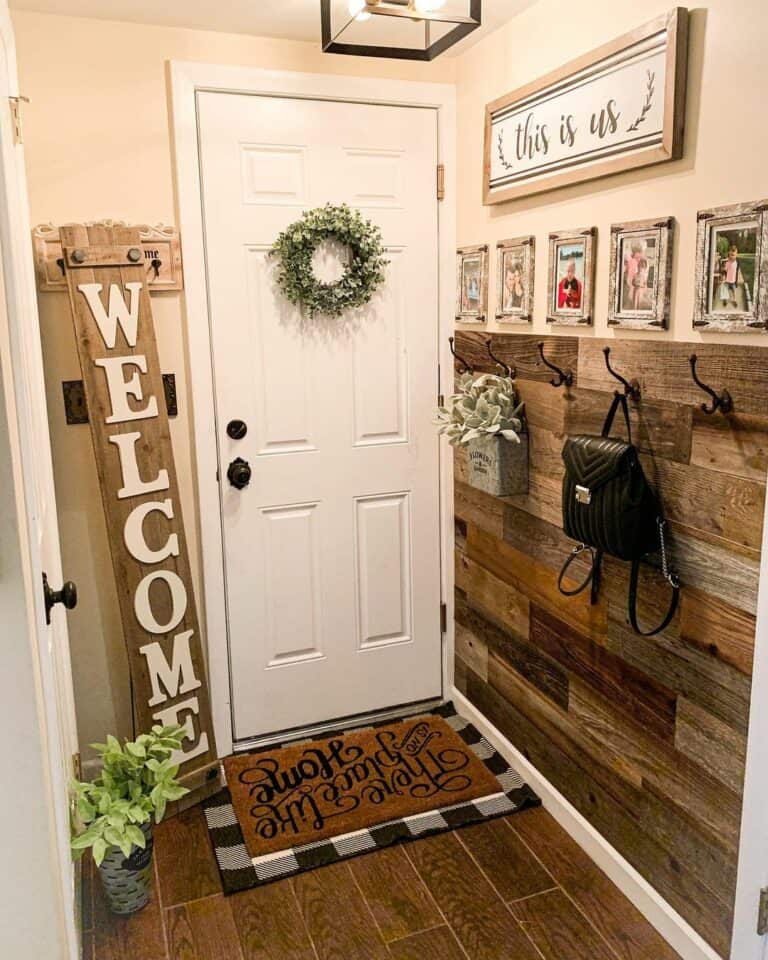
point(186, 79)
point(753, 847)
point(38, 911)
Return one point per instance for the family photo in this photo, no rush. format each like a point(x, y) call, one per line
point(514, 278)
point(639, 273)
point(570, 276)
point(514, 282)
point(732, 269)
point(470, 285)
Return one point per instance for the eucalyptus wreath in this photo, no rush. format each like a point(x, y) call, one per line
point(364, 272)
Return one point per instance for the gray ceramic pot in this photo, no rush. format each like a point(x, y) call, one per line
point(127, 880)
point(498, 466)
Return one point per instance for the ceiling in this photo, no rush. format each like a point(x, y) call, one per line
point(289, 19)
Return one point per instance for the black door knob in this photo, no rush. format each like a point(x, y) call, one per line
point(239, 473)
point(67, 596)
point(237, 429)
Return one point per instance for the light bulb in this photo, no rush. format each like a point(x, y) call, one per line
point(358, 11)
point(427, 6)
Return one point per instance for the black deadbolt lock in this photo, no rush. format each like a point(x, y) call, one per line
point(66, 596)
point(237, 429)
point(239, 473)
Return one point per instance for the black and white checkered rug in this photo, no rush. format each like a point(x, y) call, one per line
point(240, 871)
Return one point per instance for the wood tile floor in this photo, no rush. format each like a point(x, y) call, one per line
point(509, 889)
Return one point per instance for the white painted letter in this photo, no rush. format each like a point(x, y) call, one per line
point(170, 717)
point(133, 533)
point(133, 485)
point(120, 389)
point(177, 678)
point(119, 311)
point(143, 609)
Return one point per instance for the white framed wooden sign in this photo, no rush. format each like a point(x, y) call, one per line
point(109, 299)
point(160, 245)
point(618, 107)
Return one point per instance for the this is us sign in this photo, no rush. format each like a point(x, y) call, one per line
point(619, 107)
point(107, 284)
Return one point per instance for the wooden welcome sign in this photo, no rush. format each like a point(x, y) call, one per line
point(129, 425)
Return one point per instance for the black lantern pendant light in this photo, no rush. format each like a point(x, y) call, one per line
point(399, 29)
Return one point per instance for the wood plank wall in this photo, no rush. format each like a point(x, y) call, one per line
point(645, 736)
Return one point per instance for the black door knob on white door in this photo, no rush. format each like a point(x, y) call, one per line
point(237, 429)
point(239, 473)
point(67, 596)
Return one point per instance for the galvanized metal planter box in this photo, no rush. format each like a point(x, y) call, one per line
point(498, 466)
point(127, 880)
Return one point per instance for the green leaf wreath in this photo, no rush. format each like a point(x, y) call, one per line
point(364, 273)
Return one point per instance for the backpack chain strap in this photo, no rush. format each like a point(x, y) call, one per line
point(670, 576)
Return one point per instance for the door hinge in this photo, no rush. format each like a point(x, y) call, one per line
point(443, 618)
point(441, 400)
point(441, 181)
point(18, 132)
point(77, 766)
point(762, 913)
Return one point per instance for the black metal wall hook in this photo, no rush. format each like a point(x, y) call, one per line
point(631, 387)
point(508, 371)
point(468, 368)
point(563, 376)
point(720, 401)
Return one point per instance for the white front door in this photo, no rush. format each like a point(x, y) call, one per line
point(332, 552)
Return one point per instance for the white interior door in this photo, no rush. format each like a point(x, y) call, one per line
point(41, 898)
point(332, 553)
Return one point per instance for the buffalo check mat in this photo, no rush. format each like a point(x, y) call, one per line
point(292, 807)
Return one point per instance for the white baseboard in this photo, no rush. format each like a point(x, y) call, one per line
point(676, 931)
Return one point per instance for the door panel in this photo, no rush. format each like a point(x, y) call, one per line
point(332, 552)
point(383, 571)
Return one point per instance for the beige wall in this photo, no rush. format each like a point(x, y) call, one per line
point(97, 145)
point(725, 144)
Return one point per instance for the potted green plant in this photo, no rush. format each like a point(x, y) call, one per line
point(486, 416)
point(114, 812)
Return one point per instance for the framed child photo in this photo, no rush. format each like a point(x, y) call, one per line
point(571, 281)
point(731, 273)
point(472, 284)
point(640, 281)
point(515, 261)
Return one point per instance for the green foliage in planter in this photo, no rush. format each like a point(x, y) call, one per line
point(137, 780)
point(296, 246)
point(483, 406)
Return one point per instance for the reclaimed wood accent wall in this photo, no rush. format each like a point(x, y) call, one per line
point(645, 736)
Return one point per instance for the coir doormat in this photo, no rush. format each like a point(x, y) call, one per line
point(301, 805)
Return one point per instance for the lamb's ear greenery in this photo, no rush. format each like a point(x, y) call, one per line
point(137, 781)
point(483, 406)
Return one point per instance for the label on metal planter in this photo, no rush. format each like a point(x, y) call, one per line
point(139, 859)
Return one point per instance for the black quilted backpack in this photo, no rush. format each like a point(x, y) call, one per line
point(609, 508)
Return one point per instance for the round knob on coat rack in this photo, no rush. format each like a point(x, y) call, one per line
point(239, 473)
